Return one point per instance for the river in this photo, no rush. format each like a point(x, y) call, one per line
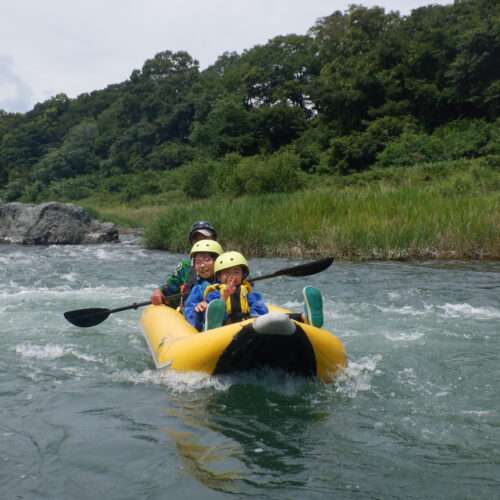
point(84, 414)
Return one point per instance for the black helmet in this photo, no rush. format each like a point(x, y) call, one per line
point(201, 227)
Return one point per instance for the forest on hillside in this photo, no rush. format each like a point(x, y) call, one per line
point(362, 89)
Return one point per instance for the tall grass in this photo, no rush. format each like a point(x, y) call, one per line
point(396, 216)
point(348, 224)
point(124, 216)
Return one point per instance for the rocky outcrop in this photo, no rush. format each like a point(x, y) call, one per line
point(52, 224)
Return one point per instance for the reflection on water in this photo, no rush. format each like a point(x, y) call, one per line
point(255, 433)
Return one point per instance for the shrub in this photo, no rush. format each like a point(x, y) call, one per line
point(311, 147)
point(170, 155)
point(279, 173)
point(458, 139)
point(13, 191)
point(76, 156)
point(33, 192)
point(73, 189)
point(358, 151)
point(142, 186)
point(227, 178)
point(467, 138)
point(410, 149)
point(197, 180)
point(236, 176)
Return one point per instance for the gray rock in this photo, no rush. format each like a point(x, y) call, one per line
point(52, 223)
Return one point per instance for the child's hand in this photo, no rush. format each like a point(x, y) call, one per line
point(201, 307)
point(230, 288)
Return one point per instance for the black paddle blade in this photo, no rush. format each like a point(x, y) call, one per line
point(87, 317)
point(301, 270)
point(307, 269)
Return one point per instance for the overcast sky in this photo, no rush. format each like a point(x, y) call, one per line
point(76, 46)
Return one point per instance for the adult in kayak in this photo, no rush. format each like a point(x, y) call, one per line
point(184, 274)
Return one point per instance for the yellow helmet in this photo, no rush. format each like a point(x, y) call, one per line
point(230, 259)
point(209, 246)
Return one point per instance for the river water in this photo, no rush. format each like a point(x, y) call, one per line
point(84, 414)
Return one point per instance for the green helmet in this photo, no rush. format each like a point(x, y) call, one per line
point(230, 259)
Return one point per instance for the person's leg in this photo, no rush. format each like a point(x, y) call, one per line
point(214, 315)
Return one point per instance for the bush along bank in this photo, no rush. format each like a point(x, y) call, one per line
point(447, 210)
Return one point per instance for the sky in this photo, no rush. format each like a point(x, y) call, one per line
point(49, 47)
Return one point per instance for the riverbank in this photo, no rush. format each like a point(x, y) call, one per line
point(436, 211)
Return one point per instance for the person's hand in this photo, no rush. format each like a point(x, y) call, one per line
point(202, 306)
point(157, 297)
point(229, 289)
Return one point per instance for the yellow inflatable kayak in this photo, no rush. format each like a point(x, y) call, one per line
point(272, 340)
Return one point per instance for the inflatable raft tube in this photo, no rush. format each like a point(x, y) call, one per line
point(272, 340)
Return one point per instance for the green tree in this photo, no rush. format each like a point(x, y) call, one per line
point(278, 173)
point(228, 128)
point(358, 151)
point(277, 126)
point(474, 73)
point(198, 179)
point(354, 79)
point(75, 157)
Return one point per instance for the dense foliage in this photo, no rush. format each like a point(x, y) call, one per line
point(361, 89)
point(434, 210)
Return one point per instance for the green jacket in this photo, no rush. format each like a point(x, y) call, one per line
point(180, 276)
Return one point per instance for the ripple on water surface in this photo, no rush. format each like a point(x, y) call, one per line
point(85, 414)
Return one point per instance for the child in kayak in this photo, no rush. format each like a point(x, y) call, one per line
point(203, 255)
point(185, 272)
point(234, 298)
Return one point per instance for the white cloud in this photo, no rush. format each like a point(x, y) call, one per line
point(15, 95)
point(79, 46)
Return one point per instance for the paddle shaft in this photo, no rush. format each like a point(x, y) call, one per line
point(85, 318)
point(135, 305)
point(94, 316)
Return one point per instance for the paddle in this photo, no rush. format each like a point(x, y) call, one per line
point(301, 270)
point(95, 315)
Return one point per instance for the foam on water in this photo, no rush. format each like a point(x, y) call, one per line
point(358, 375)
point(69, 276)
point(404, 336)
point(178, 382)
point(41, 352)
point(190, 382)
point(418, 398)
point(466, 310)
point(52, 351)
point(447, 310)
point(404, 310)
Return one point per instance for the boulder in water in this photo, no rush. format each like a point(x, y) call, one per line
point(52, 223)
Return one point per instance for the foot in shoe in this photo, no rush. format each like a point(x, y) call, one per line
point(313, 306)
point(214, 315)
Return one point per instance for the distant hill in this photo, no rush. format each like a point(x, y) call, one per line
point(361, 88)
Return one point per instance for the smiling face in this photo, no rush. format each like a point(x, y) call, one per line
point(231, 275)
point(204, 265)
